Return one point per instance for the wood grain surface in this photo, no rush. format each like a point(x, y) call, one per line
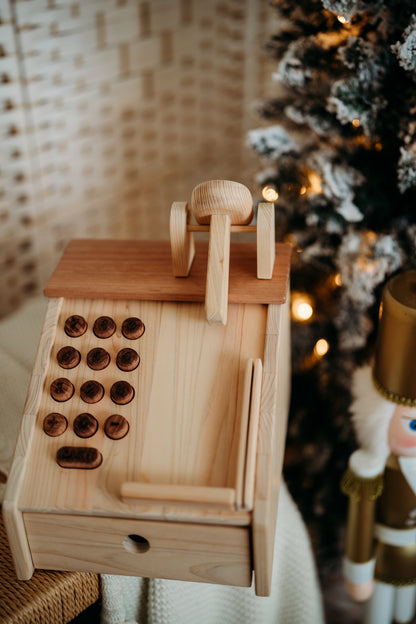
point(184, 419)
point(142, 270)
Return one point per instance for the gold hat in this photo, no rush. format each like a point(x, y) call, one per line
point(395, 360)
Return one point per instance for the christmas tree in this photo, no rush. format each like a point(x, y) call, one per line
point(338, 152)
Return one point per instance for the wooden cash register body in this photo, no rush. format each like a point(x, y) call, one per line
point(191, 491)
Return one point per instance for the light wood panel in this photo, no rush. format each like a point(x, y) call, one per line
point(142, 270)
point(265, 240)
point(271, 442)
point(19, 468)
point(189, 552)
point(184, 419)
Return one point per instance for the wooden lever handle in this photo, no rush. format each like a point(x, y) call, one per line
point(216, 293)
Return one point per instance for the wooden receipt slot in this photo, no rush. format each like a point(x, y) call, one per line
point(153, 431)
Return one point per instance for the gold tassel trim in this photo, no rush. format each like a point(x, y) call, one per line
point(358, 487)
point(392, 396)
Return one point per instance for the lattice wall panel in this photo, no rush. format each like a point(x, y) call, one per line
point(115, 109)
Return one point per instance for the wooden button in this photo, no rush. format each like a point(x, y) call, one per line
point(116, 427)
point(132, 328)
point(91, 391)
point(75, 326)
point(121, 392)
point(85, 425)
point(98, 358)
point(78, 457)
point(104, 327)
point(61, 389)
point(54, 424)
point(68, 357)
point(127, 359)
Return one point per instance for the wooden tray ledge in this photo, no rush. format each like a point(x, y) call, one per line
point(137, 492)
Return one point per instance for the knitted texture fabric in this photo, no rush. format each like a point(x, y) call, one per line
point(295, 596)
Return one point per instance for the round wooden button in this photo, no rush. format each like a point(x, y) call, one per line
point(91, 391)
point(68, 357)
point(116, 427)
point(127, 359)
point(61, 389)
point(75, 326)
point(132, 328)
point(104, 327)
point(85, 425)
point(121, 392)
point(98, 358)
point(54, 424)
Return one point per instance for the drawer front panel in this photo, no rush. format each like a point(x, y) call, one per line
point(181, 551)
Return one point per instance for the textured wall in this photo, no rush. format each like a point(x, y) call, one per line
point(110, 110)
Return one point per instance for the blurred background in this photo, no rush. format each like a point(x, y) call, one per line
point(113, 109)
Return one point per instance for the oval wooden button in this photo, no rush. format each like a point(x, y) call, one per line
point(121, 392)
point(85, 425)
point(98, 358)
point(78, 457)
point(91, 391)
point(104, 327)
point(61, 389)
point(116, 427)
point(132, 328)
point(68, 357)
point(127, 359)
point(54, 424)
point(75, 326)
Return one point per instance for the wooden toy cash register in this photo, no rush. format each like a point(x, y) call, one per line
point(153, 431)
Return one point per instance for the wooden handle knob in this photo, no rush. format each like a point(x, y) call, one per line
point(222, 197)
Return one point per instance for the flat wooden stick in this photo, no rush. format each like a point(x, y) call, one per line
point(193, 227)
point(265, 240)
point(244, 420)
point(181, 239)
point(132, 491)
point(252, 437)
point(216, 294)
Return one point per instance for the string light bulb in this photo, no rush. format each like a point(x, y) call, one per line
point(321, 347)
point(315, 183)
point(270, 193)
point(342, 19)
point(302, 309)
point(356, 123)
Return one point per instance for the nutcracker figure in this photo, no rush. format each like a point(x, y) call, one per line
point(380, 561)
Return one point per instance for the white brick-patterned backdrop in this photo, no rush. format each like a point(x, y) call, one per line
point(111, 110)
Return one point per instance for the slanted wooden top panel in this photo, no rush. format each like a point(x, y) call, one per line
point(142, 270)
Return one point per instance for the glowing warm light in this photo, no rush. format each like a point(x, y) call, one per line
point(378, 147)
point(356, 123)
point(315, 183)
point(342, 19)
point(321, 347)
point(302, 309)
point(270, 193)
point(338, 279)
point(302, 190)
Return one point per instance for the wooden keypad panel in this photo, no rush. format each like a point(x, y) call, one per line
point(90, 381)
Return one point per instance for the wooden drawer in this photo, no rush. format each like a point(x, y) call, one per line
point(172, 550)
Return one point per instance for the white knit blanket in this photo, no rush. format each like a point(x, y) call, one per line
point(295, 596)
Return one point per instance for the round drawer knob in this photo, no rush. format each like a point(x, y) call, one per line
point(116, 427)
point(54, 424)
point(98, 358)
point(127, 359)
point(68, 357)
point(121, 392)
point(75, 326)
point(85, 425)
point(61, 389)
point(104, 327)
point(91, 391)
point(132, 328)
